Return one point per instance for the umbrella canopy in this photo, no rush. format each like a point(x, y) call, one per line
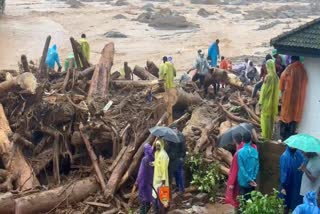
point(304, 142)
point(227, 137)
point(165, 133)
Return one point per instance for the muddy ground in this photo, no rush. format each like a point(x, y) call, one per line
point(151, 28)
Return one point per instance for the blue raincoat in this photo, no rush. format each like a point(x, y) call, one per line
point(290, 177)
point(248, 164)
point(309, 206)
point(214, 52)
point(52, 57)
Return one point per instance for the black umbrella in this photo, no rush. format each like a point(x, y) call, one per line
point(228, 137)
point(166, 133)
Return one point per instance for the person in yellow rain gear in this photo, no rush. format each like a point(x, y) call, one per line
point(161, 175)
point(85, 46)
point(167, 73)
point(269, 100)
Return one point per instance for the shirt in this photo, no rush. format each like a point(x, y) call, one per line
point(307, 185)
point(201, 65)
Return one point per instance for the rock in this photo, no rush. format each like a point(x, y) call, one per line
point(148, 7)
point(199, 210)
point(178, 4)
point(74, 3)
point(115, 34)
point(187, 196)
point(204, 13)
point(121, 3)
point(205, 1)
point(119, 16)
point(201, 197)
point(270, 25)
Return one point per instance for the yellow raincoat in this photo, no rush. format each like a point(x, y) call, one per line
point(161, 71)
point(85, 48)
point(269, 100)
point(161, 164)
point(169, 74)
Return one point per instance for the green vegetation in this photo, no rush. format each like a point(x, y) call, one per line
point(206, 176)
point(261, 204)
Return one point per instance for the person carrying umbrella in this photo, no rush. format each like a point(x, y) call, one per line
point(232, 191)
point(311, 174)
point(177, 154)
point(144, 179)
point(160, 178)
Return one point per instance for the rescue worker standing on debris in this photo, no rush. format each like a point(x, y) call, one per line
point(53, 58)
point(202, 66)
point(214, 53)
point(177, 154)
point(269, 100)
point(85, 46)
point(160, 177)
point(167, 73)
point(293, 84)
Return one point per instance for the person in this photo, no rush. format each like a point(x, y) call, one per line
point(85, 46)
point(311, 174)
point(225, 64)
point(160, 177)
point(309, 206)
point(177, 154)
point(167, 73)
point(290, 178)
point(293, 84)
point(145, 178)
point(53, 58)
point(278, 62)
point(67, 61)
point(232, 190)
point(126, 72)
point(214, 52)
point(263, 73)
point(248, 163)
point(202, 66)
point(251, 72)
point(269, 100)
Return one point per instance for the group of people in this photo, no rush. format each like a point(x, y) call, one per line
point(159, 167)
point(289, 90)
point(299, 174)
point(53, 57)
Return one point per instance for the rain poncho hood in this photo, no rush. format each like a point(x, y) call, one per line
point(161, 164)
point(248, 164)
point(309, 206)
point(290, 177)
point(269, 100)
point(52, 57)
point(145, 175)
point(85, 48)
point(66, 61)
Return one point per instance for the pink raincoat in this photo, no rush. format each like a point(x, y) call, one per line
point(232, 194)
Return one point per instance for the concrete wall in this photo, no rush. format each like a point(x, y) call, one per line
point(310, 123)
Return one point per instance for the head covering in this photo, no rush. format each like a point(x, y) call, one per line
point(170, 59)
point(274, 52)
point(54, 47)
point(148, 150)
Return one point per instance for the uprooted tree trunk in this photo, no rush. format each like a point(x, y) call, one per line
point(13, 158)
point(99, 86)
point(42, 66)
point(25, 81)
point(81, 60)
point(142, 73)
point(182, 99)
point(152, 68)
point(24, 63)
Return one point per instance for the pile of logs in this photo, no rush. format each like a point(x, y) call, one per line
point(76, 137)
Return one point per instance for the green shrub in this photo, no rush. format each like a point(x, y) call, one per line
point(261, 204)
point(206, 176)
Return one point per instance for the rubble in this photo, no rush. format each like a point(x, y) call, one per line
point(83, 131)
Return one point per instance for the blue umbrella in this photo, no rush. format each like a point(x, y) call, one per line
point(165, 133)
point(304, 142)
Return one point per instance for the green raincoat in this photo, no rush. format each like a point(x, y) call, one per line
point(269, 100)
point(161, 164)
point(169, 73)
point(85, 48)
point(66, 61)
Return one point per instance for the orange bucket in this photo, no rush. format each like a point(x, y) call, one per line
point(164, 195)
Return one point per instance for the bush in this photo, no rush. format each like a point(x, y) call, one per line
point(262, 204)
point(207, 177)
